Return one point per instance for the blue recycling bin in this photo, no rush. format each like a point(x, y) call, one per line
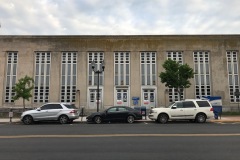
point(216, 102)
point(217, 110)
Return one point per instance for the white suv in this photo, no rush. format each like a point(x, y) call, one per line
point(191, 109)
point(62, 112)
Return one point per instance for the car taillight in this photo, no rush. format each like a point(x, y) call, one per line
point(211, 109)
point(73, 111)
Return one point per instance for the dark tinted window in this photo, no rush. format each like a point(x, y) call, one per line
point(112, 110)
point(121, 109)
point(51, 106)
point(47, 106)
point(203, 103)
point(56, 106)
point(131, 109)
point(178, 104)
point(70, 106)
point(188, 104)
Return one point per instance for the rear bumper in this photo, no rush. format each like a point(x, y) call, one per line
point(72, 117)
point(210, 116)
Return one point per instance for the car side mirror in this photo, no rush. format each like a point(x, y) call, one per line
point(38, 109)
point(174, 107)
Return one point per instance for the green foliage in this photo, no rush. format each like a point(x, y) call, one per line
point(23, 89)
point(176, 75)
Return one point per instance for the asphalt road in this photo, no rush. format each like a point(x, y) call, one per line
point(176, 140)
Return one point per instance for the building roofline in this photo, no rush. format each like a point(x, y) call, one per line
point(193, 36)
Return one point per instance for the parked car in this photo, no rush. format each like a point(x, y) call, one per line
point(193, 109)
point(115, 113)
point(62, 112)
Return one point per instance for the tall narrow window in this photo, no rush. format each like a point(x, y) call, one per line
point(172, 92)
point(202, 73)
point(122, 67)
point(148, 68)
point(12, 58)
point(92, 78)
point(69, 76)
point(233, 77)
point(42, 76)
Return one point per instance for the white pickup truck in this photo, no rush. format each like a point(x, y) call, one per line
point(190, 109)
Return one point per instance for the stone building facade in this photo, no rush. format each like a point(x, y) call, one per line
point(61, 68)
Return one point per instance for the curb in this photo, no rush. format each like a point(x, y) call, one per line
point(224, 121)
point(228, 119)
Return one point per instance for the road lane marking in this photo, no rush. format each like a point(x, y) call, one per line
point(227, 123)
point(118, 135)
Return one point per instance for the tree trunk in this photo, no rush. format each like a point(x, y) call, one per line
point(179, 94)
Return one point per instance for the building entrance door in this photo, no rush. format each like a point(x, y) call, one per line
point(148, 97)
point(122, 98)
point(93, 98)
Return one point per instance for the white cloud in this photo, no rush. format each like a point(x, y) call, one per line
point(114, 17)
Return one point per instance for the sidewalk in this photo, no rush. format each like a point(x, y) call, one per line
point(223, 119)
point(226, 119)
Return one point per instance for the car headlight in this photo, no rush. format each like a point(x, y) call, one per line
point(152, 111)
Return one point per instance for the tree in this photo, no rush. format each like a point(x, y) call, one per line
point(23, 89)
point(176, 75)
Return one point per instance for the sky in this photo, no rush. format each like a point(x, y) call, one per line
point(119, 17)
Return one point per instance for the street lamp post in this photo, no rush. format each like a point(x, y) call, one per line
point(78, 93)
point(96, 71)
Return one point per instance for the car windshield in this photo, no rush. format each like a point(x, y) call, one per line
point(70, 106)
point(170, 105)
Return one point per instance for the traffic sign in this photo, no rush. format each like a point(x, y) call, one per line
point(135, 98)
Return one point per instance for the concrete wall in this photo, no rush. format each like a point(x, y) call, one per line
point(26, 46)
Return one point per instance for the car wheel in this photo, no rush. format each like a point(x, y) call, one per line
point(63, 119)
point(97, 119)
point(27, 120)
point(201, 118)
point(130, 119)
point(163, 118)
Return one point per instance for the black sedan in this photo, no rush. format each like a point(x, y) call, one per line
point(115, 113)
